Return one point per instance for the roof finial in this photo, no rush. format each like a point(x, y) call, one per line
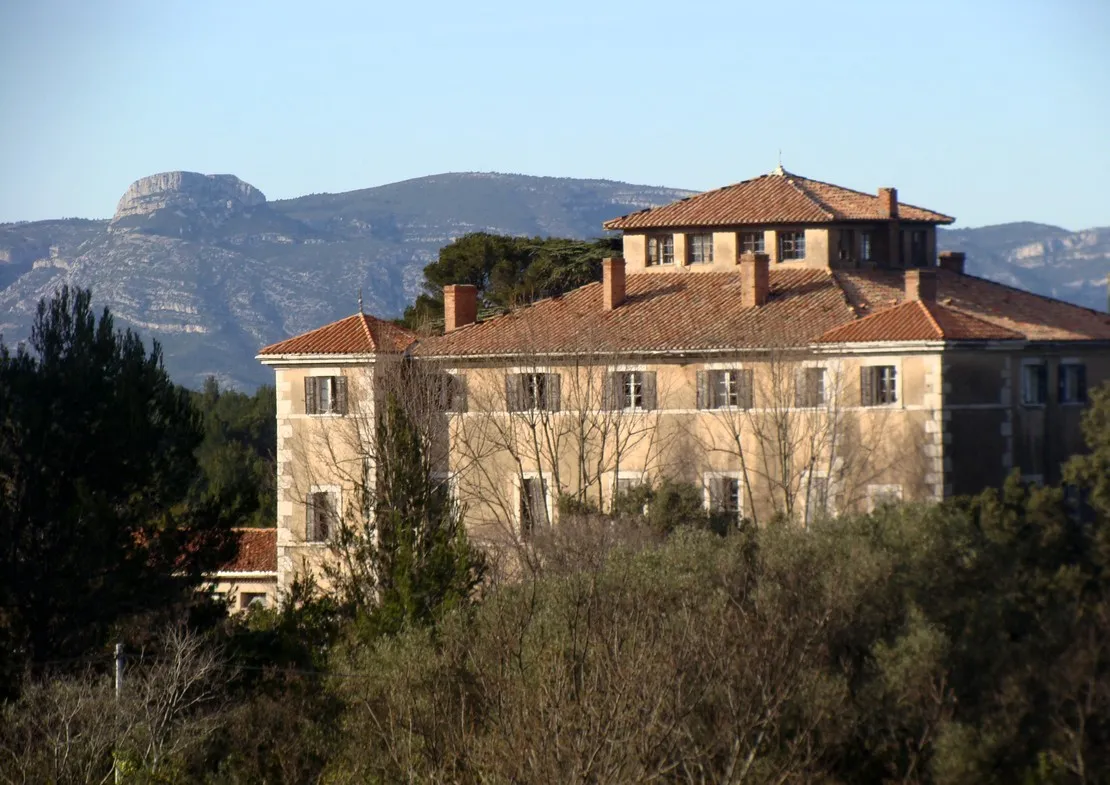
point(360, 300)
point(779, 169)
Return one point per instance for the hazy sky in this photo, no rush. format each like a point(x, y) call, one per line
point(989, 110)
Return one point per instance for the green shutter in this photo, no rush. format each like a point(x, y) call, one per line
point(310, 395)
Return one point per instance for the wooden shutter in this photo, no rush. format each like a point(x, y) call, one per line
point(867, 386)
point(703, 390)
point(310, 395)
point(514, 392)
point(648, 388)
point(456, 393)
point(801, 384)
point(310, 514)
point(552, 391)
point(611, 393)
point(716, 493)
point(745, 391)
point(339, 406)
point(539, 500)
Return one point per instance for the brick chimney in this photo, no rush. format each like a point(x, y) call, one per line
point(888, 202)
point(460, 306)
point(921, 284)
point(755, 279)
point(612, 282)
point(953, 261)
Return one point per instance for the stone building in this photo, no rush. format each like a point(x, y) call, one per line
point(790, 346)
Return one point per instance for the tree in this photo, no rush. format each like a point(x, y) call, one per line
point(100, 519)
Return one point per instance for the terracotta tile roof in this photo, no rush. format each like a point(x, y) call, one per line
point(918, 321)
point(771, 198)
point(358, 334)
point(257, 552)
point(702, 312)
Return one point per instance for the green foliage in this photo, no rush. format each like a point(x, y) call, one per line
point(671, 505)
point(509, 271)
point(238, 452)
point(100, 519)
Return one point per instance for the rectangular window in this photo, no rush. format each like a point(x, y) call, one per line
point(451, 392)
point(751, 242)
point(846, 245)
point(699, 248)
point(725, 389)
point(725, 494)
point(1072, 383)
point(325, 395)
point(661, 249)
point(1034, 384)
point(817, 500)
point(631, 390)
point(810, 388)
point(532, 392)
point(628, 484)
point(878, 385)
point(248, 599)
point(533, 505)
point(882, 496)
point(792, 245)
point(917, 248)
point(865, 246)
point(323, 516)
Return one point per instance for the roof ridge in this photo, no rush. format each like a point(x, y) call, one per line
point(790, 178)
point(1039, 296)
point(367, 330)
point(693, 197)
point(929, 314)
point(865, 193)
point(943, 307)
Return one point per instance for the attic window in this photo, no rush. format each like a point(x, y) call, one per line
point(792, 245)
point(699, 248)
point(661, 249)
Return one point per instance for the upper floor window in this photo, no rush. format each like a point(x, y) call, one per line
point(1034, 383)
point(532, 392)
point(846, 244)
point(917, 248)
point(1072, 383)
point(325, 395)
point(322, 516)
point(865, 246)
point(751, 242)
point(533, 504)
point(450, 392)
point(661, 249)
point(699, 248)
point(725, 494)
point(633, 390)
point(878, 385)
point(725, 389)
point(792, 245)
point(810, 388)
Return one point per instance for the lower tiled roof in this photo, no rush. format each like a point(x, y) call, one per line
point(358, 334)
point(257, 552)
point(919, 321)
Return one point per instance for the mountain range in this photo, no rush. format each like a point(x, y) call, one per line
point(213, 270)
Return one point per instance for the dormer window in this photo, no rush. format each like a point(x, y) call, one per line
point(661, 249)
point(699, 248)
point(751, 242)
point(792, 245)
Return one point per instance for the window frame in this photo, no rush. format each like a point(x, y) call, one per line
point(1027, 366)
point(846, 244)
point(802, 397)
point(707, 492)
point(663, 245)
point(521, 481)
point(337, 395)
point(758, 244)
point(918, 248)
point(866, 245)
point(696, 244)
point(336, 495)
point(741, 386)
point(1065, 371)
point(796, 239)
point(877, 391)
point(620, 388)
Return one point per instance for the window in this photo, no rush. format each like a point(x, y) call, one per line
point(725, 389)
point(845, 244)
point(451, 392)
point(533, 504)
point(699, 248)
point(724, 494)
point(325, 395)
point(661, 249)
point(878, 385)
point(323, 515)
point(627, 483)
point(1034, 383)
point(883, 495)
point(634, 390)
point(810, 389)
point(865, 246)
point(792, 245)
point(917, 248)
point(532, 392)
point(751, 242)
point(816, 490)
point(1072, 383)
point(249, 599)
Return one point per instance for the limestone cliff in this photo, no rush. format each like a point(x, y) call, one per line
point(187, 191)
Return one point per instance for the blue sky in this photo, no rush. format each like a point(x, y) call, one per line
point(990, 110)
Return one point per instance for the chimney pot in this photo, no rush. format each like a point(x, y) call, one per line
point(888, 202)
point(953, 261)
point(755, 279)
point(460, 306)
point(612, 282)
point(921, 285)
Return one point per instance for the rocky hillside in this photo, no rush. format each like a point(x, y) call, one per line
point(209, 267)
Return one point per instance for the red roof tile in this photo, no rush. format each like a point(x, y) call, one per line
point(257, 552)
point(358, 334)
point(918, 321)
point(769, 199)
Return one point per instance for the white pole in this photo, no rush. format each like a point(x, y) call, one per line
point(119, 691)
